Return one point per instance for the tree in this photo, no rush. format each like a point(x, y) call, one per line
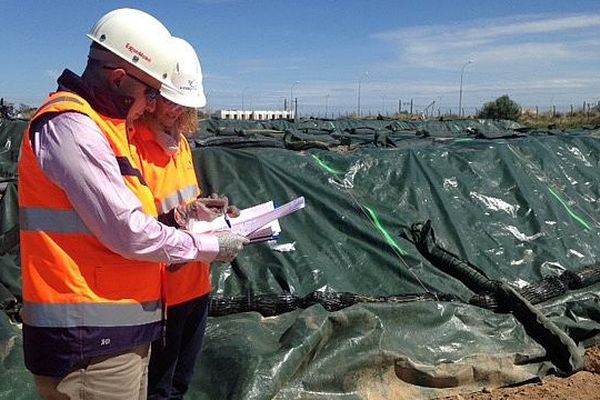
point(502, 108)
point(25, 111)
point(9, 111)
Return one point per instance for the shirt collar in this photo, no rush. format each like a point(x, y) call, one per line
point(103, 101)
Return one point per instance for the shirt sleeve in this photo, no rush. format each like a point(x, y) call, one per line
point(75, 155)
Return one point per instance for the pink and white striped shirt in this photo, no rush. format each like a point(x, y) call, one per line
point(75, 155)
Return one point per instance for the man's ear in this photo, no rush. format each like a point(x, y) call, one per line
point(150, 105)
point(116, 77)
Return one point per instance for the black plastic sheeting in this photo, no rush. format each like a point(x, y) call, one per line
point(521, 207)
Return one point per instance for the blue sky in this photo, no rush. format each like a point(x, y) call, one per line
point(540, 52)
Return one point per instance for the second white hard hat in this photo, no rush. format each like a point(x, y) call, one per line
point(186, 79)
point(138, 38)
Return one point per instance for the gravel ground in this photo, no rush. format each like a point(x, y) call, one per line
point(584, 385)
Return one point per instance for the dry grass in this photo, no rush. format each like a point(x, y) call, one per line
point(561, 121)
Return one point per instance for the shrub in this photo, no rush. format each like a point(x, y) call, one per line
point(501, 108)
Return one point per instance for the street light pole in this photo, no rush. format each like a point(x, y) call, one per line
point(462, 71)
point(359, 82)
point(292, 95)
point(209, 93)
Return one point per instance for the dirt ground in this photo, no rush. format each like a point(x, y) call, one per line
point(584, 385)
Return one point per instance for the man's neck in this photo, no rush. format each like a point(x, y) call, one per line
point(95, 92)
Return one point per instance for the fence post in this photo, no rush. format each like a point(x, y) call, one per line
point(588, 111)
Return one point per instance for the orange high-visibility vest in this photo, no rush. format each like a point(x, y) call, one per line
point(173, 181)
point(79, 297)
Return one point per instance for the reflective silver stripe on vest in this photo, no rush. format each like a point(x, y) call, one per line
point(51, 220)
point(62, 98)
point(180, 196)
point(90, 314)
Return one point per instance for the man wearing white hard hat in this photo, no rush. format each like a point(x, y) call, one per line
point(167, 167)
point(93, 253)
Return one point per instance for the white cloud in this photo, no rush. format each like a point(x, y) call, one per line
point(537, 59)
point(522, 39)
point(499, 28)
point(525, 53)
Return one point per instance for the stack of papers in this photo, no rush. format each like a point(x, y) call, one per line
point(258, 223)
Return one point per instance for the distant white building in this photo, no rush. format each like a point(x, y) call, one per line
point(254, 115)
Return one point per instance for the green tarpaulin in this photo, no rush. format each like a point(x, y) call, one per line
point(520, 205)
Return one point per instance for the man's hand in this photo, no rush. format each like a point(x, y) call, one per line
point(230, 245)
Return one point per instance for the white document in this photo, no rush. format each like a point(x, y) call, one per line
point(257, 223)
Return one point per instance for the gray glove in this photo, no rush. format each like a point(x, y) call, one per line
point(230, 245)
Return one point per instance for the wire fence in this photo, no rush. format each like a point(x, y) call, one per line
point(414, 109)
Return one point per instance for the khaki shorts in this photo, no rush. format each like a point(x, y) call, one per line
point(121, 376)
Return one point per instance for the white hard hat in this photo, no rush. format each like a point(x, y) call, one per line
point(138, 38)
point(186, 79)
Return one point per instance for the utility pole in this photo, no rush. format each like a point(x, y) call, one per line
point(462, 71)
point(295, 108)
point(292, 95)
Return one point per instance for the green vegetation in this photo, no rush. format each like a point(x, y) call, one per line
point(501, 108)
point(505, 108)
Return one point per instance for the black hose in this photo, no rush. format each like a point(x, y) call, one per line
point(279, 303)
point(500, 297)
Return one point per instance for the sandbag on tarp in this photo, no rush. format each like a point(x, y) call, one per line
point(400, 126)
point(237, 142)
point(272, 304)
point(10, 271)
point(11, 132)
point(9, 218)
point(380, 133)
point(308, 126)
point(347, 125)
point(10, 274)
point(7, 299)
point(564, 353)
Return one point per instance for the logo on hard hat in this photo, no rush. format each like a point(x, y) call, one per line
point(192, 85)
point(137, 52)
